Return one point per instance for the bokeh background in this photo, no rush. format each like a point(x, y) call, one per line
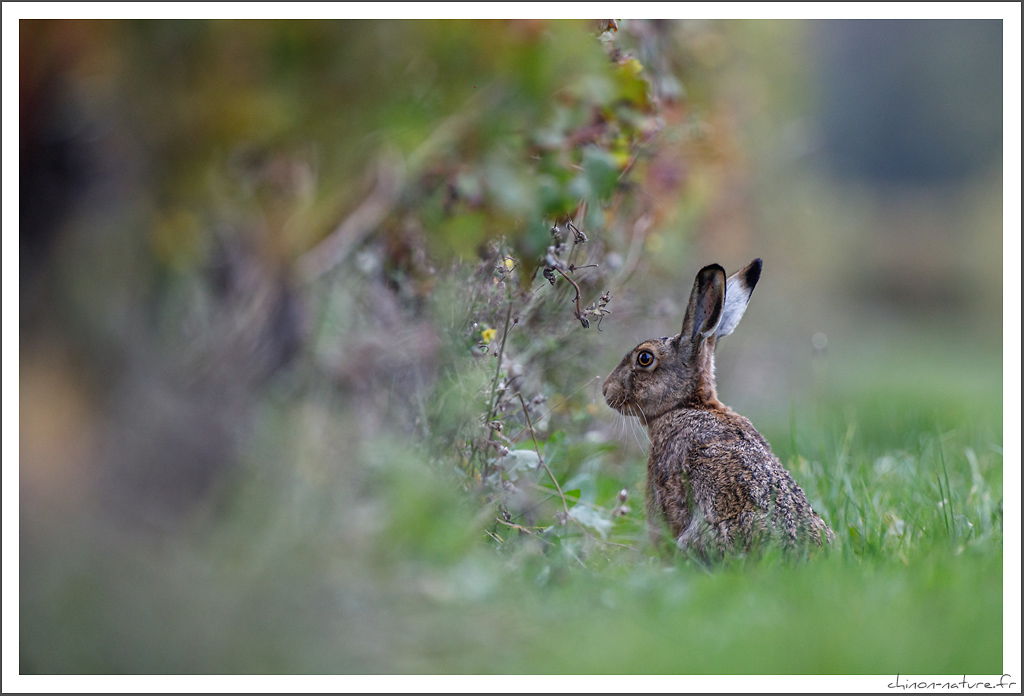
point(304, 385)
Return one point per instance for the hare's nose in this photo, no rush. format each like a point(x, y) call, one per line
point(607, 387)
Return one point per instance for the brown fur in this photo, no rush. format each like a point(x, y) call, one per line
point(712, 479)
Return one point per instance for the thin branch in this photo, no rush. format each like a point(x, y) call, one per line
point(494, 391)
point(392, 173)
point(552, 409)
point(520, 528)
point(561, 495)
point(354, 229)
point(497, 370)
point(544, 464)
point(579, 311)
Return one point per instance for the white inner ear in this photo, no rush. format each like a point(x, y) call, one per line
point(711, 330)
point(737, 295)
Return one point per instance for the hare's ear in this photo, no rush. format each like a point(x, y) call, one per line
point(738, 289)
point(704, 311)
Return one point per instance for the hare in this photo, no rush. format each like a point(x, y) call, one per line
point(712, 479)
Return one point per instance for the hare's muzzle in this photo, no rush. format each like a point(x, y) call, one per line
point(612, 392)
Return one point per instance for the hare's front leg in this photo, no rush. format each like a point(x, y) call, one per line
point(703, 539)
point(668, 507)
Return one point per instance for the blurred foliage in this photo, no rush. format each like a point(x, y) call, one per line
point(314, 319)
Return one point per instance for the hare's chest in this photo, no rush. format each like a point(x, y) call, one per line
point(670, 492)
point(685, 471)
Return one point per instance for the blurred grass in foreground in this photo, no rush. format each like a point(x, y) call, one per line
point(369, 569)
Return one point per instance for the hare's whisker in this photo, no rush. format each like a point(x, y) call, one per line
point(647, 426)
point(633, 424)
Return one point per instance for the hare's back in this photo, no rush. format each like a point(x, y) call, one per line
point(729, 465)
point(733, 473)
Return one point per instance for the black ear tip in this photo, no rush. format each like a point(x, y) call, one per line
point(710, 270)
point(753, 273)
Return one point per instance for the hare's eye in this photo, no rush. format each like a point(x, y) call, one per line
point(645, 358)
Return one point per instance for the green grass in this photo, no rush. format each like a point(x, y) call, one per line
point(827, 617)
point(366, 555)
point(295, 576)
